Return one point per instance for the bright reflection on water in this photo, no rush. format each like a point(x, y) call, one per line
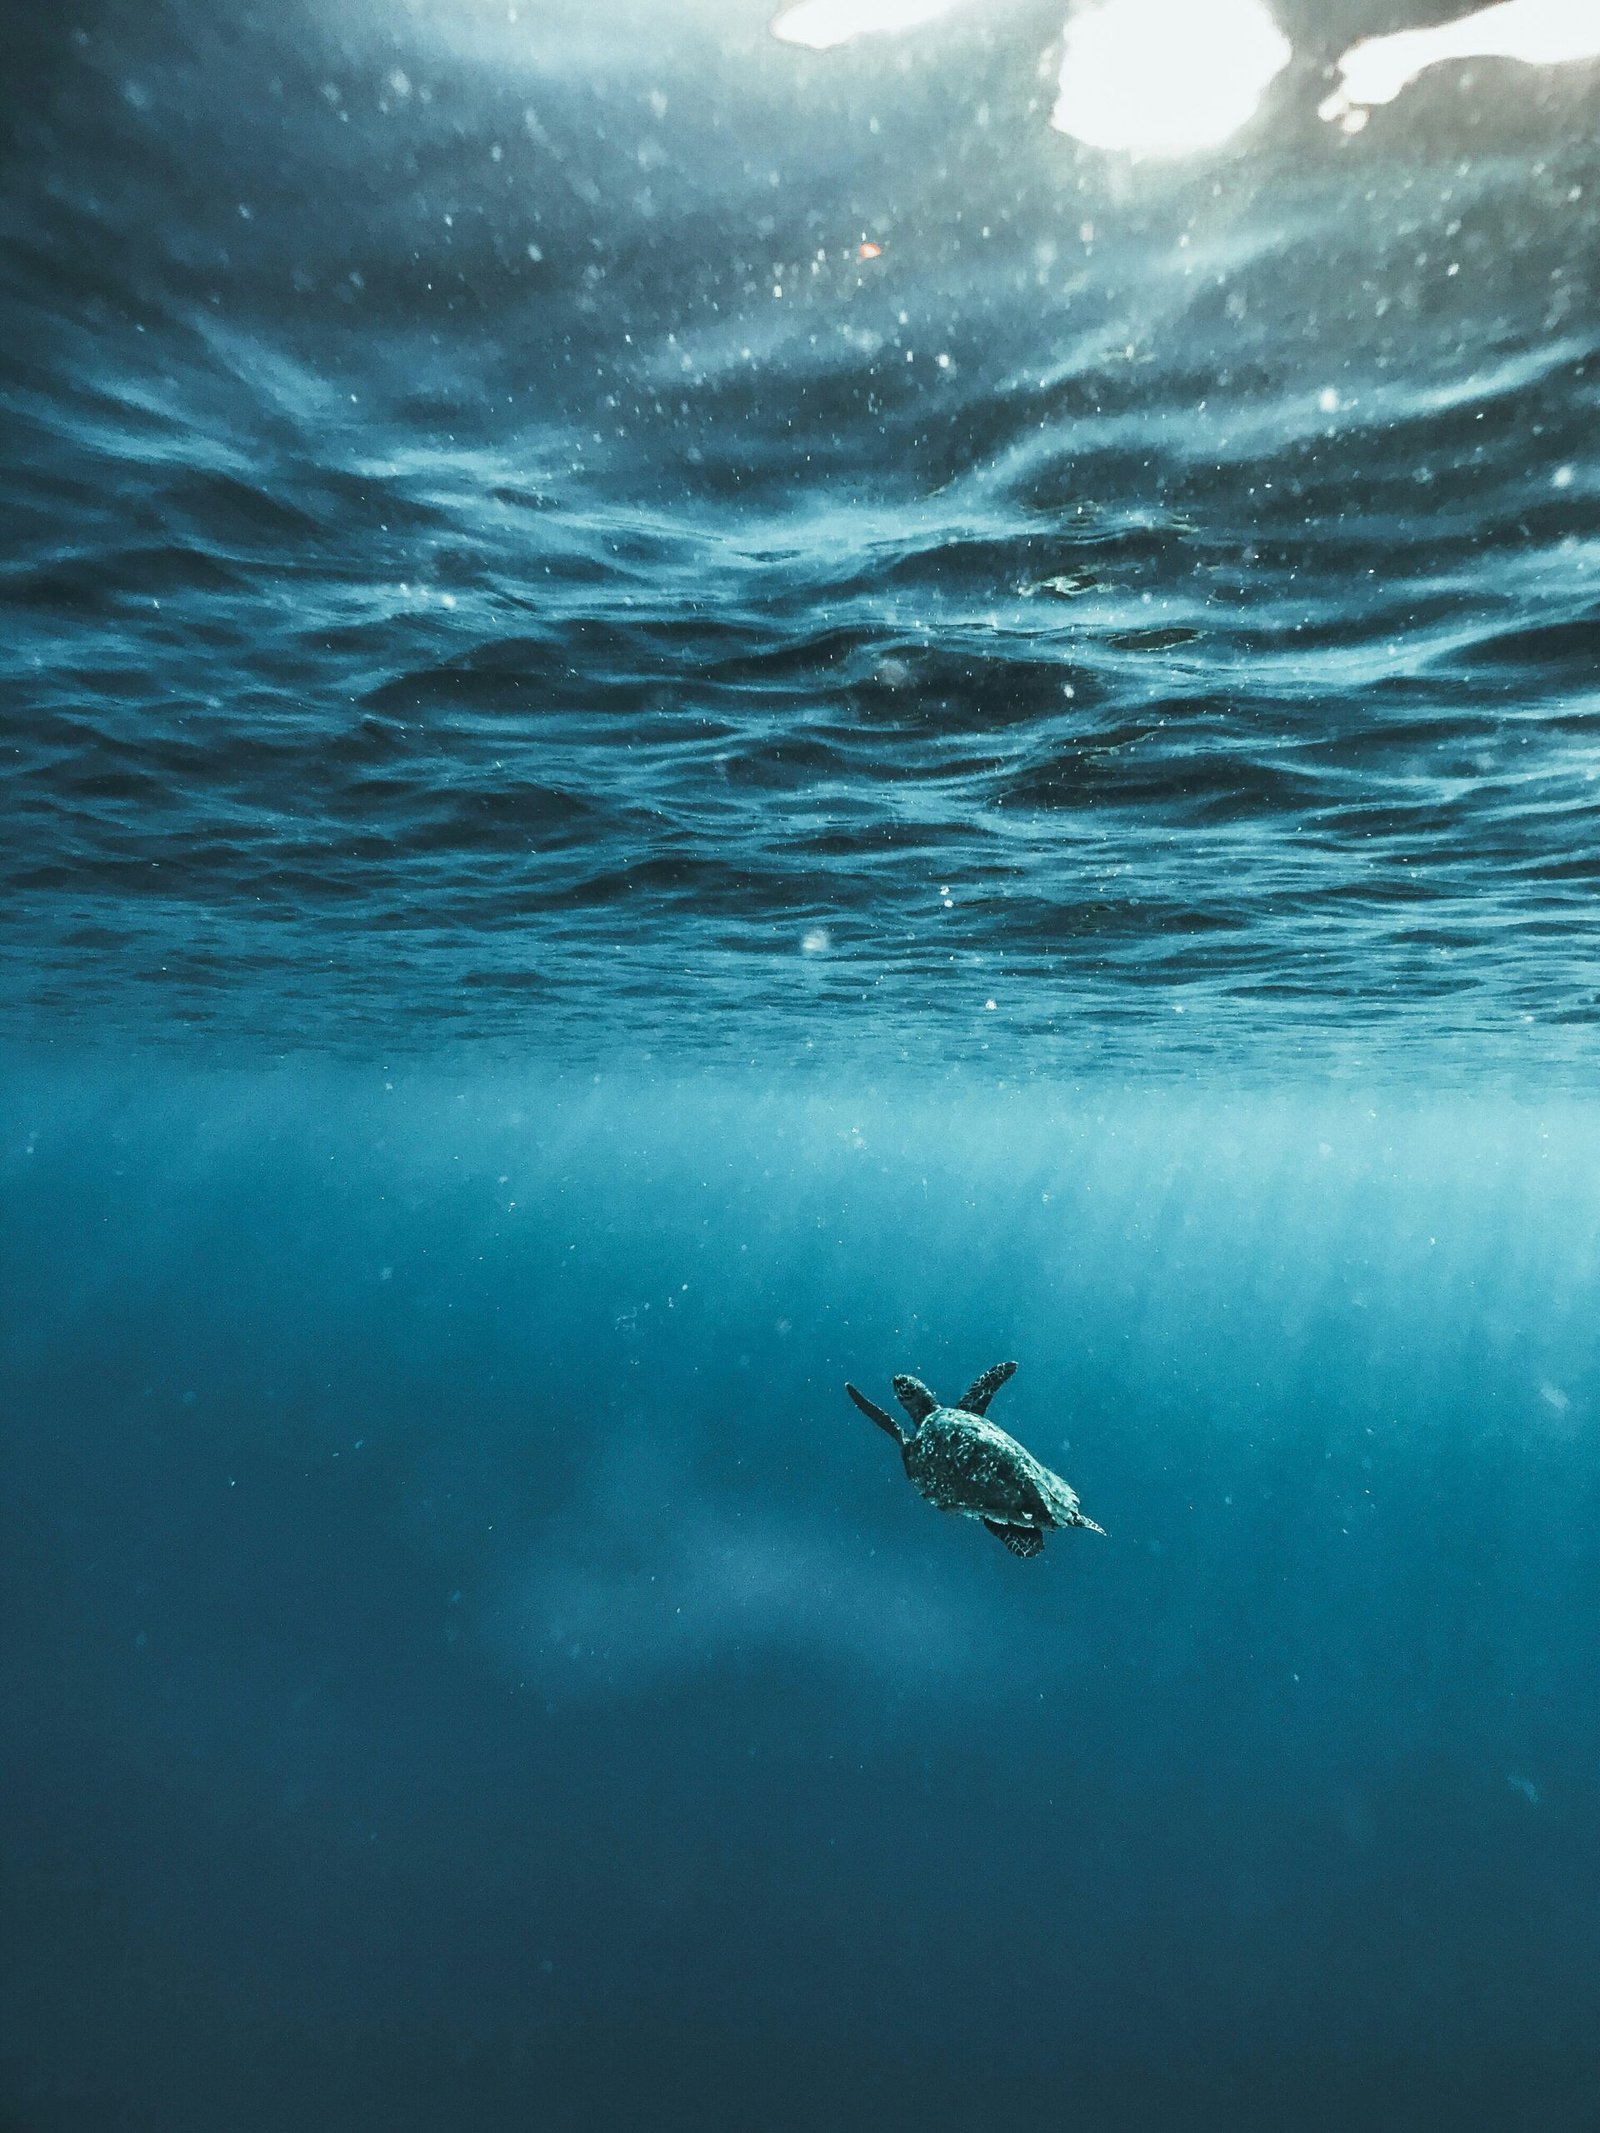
point(1540, 33)
point(1172, 77)
point(820, 23)
point(1164, 77)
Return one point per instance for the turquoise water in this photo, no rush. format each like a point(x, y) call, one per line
point(616, 813)
point(468, 1661)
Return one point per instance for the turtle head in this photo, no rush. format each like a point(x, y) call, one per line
point(916, 1399)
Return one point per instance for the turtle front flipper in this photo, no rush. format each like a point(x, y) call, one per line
point(915, 1398)
point(874, 1413)
point(975, 1400)
point(1021, 1540)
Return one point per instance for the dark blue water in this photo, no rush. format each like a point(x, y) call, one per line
point(615, 813)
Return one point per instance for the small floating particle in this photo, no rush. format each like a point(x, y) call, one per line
point(867, 250)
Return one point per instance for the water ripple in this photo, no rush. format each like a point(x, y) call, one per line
point(566, 595)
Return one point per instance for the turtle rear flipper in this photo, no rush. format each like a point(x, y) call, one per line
point(1021, 1540)
point(915, 1398)
point(975, 1400)
point(875, 1413)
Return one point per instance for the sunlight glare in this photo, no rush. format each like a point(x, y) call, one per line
point(1541, 33)
point(1165, 77)
point(824, 23)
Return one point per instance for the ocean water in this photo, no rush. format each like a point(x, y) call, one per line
point(681, 719)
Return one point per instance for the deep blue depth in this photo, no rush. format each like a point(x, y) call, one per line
point(468, 1664)
point(611, 814)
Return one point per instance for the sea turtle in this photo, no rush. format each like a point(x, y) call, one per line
point(959, 1460)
